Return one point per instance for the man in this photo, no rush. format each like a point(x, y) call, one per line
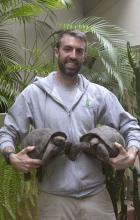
point(68, 102)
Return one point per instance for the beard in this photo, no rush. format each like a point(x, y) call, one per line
point(69, 68)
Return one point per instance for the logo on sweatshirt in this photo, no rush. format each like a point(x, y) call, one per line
point(88, 103)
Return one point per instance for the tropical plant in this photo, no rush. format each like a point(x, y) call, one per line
point(15, 72)
point(17, 195)
point(136, 194)
point(135, 64)
point(8, 59)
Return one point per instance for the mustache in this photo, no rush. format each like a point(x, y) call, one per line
point(72, 61)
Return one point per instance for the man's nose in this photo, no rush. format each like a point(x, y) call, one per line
point(73, 54)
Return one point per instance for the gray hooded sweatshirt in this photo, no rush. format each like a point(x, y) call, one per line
point(41, 106)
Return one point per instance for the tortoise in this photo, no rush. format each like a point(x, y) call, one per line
point(48, 144)
point(101, 142)
point(98, 142)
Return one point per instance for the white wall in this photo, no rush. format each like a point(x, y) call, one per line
point(124, 13)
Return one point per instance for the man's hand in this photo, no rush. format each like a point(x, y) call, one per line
point(22, 162)
point(124, 158)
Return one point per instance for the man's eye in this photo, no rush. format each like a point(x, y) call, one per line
point(80, 51)
point(67, 49)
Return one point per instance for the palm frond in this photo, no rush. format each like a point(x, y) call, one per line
point(9, 85)
point(54, 4)
point(24, 10)
point(8, 47)
point(109, 36)
point(120, 70)
point(102, 78)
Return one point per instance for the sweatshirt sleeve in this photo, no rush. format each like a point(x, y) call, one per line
point(115, 116)
point(16, 123)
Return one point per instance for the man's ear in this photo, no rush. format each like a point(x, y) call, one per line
point(56, 52)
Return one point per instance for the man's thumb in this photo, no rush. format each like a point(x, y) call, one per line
point(27, 149)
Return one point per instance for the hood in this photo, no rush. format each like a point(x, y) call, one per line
point(47, 83)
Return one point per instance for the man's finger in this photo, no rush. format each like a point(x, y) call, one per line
point(35, 162)
point(27, 149)
point(120, 147)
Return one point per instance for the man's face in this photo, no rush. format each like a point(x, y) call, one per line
point(70, 55)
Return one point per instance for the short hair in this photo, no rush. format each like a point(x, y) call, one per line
point(73, 33)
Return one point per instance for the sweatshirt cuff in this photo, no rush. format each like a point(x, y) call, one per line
point(134, 143)
point(5, 144)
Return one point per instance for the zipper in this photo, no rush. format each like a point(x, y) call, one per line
point(75, 163)
point(70, 125)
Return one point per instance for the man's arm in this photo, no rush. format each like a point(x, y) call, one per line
point(7, 151)
point(20, 161)
point(16, 126)
point(115, 116)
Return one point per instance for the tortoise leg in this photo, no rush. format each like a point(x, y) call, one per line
point(102, 153)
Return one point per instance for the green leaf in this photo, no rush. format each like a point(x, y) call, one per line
point(26, 10)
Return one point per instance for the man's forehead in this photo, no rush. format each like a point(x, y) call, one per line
point(68, 40)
